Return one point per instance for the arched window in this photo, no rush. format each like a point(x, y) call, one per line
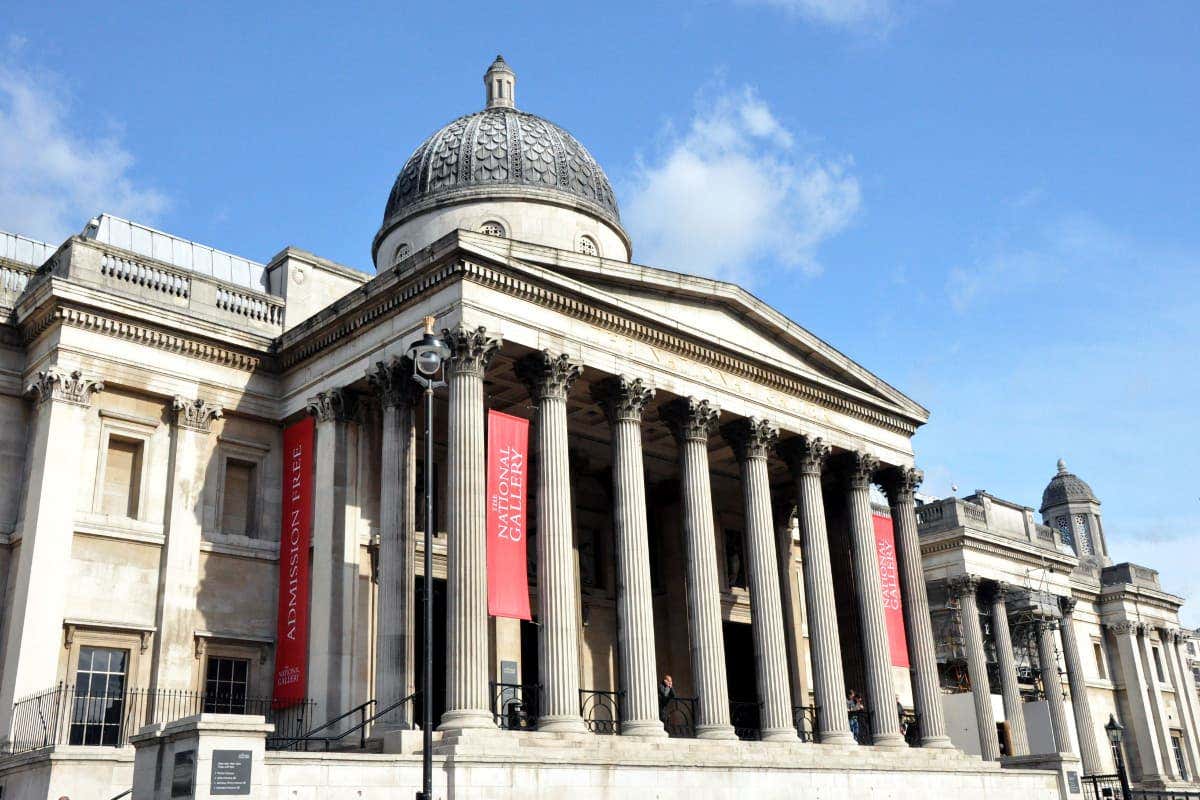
point(402, 251)
point(492, 228)
point(587, 246)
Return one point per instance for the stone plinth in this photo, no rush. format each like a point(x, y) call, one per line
point(169, 755)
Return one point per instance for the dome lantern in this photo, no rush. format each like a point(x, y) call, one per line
point(501, 84)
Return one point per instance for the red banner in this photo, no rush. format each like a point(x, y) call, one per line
point(291, 637)
point(508, 583)
point(885, 549)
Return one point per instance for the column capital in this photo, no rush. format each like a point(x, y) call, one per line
point(751, 437)
point(1045, 623)
point(196, 415)
point(471, 349)
point(55, 383)
point(1067, 606)
point(690, 418)
point(806, 455)
point(1169, 634)
point(334, 405)
point(392, 382)
point(963, 585)
point(1003, 592)
point(860, 469)
point(900, 483)
point(1124, 628)
point(622, 398)
point(548, 376)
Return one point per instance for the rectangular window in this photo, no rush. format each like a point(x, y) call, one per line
point(122, 477)
point(237, 503)
point(225, 685)
point(1158, 668)
point(1177, 748)
point(1099, 650)
point(97, 716)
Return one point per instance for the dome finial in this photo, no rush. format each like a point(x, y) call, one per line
point(1062, 467)
point(501, 84)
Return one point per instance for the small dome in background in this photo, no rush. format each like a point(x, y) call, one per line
point(1066, 487)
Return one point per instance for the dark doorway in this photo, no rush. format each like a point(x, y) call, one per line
point(529, 653)
point(742, 679)
point(439, 646)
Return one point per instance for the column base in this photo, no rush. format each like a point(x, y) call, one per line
point(724, 732)
point(562, 723)
point(836, 737)
point(889, 740)
point(936, 742)
point(465, 718)
point(780, 735)
point(647, 729)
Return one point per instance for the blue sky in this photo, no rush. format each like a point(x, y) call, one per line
point(991, 207)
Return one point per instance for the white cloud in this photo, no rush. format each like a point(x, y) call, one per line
point(838, 13)
point(734, 189)
point(53, 176)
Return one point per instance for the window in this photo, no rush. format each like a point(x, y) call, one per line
point(122, 477)
point(402, 252)
point(1158, 668)
point(735, 562)
point(492, 228)
point(1063, 523)
point(1101, 672)
point(225, 685)
point(1085, 535)
point(587, 246)
point(96, 718)
point(1177, 748)
point(237, 500)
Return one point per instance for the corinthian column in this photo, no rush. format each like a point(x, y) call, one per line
point(806, 457)
point(1089, 753)
point(877, 658)
point(1052, 684)
point(395, 630)
point(624, 399)
point(1148, 764)
point(1185, 693)
point(1007, 667)
point(691, 421)
point(471, 350)
point(549, 378)
point(964, 589)
point(900, 484)
point(752, 440)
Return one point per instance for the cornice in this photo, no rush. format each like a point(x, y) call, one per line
point(969, 539)
point(620, 322)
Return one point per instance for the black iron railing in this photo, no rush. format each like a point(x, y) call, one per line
point(805, 720)
point(910, 726)
point(107, 716)
point(515, 706)
point(746, 719)
point(601, 710)
point(860, 725)
point(1108, 787)
point(336, 731)
point(678, 715)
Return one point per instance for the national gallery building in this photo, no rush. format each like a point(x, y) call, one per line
point(678, 548)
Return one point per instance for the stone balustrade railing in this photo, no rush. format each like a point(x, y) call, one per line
point(262, 308)
point(13, 279)
point(169, 281)
point(950, 513)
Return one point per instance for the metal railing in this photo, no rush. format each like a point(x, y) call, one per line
point(910, 726)
point(516, 706)
point(860, 725)
point(746, 719)
point(106, 716)
point(678, 715)
point(331, 733)
point(1108, 787)
point(601, 710)
point(805, 720)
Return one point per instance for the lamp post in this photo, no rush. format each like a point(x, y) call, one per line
point(1115, 733)
point(429, 356)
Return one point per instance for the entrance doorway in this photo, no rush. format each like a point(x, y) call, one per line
point(742, 679)
point(439, 647)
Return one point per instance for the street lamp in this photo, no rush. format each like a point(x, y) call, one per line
point(1116, 732)
point(429, 356)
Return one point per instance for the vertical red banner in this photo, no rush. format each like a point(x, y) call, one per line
point(291, 636)
point(889, 579)
point(507, 451)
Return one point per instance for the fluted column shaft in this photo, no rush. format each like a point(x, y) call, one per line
point(807, 457)
point(549, 377)
point(1052, 685)
point(692, 421)
point(877, 658)
point(752, 440)
point(965, 589)
point(466, 550)
point(623, 400)
point(1085, 728)
point(1007, 666)
point(1148, 767)
point(395, 629)
point(1185, 696)
point(1159, 713)
point(900, 484)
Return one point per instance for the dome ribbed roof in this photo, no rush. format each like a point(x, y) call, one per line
point(1065, 487)
point(496, 152)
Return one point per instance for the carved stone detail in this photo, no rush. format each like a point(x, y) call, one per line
point(962, 585)
point(471, 349)
point(1067, 605)
point(548, 376)
point(806, 455)
point(751, 437)
point(691, 419)
point(393, 382)
point(55, 383)
point(335, 404)
point(860, 469)
point(622, 398)
point(196, 415)
point(900, 483)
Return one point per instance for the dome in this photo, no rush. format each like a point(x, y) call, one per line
point(501, 153)
point(1064, 488)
